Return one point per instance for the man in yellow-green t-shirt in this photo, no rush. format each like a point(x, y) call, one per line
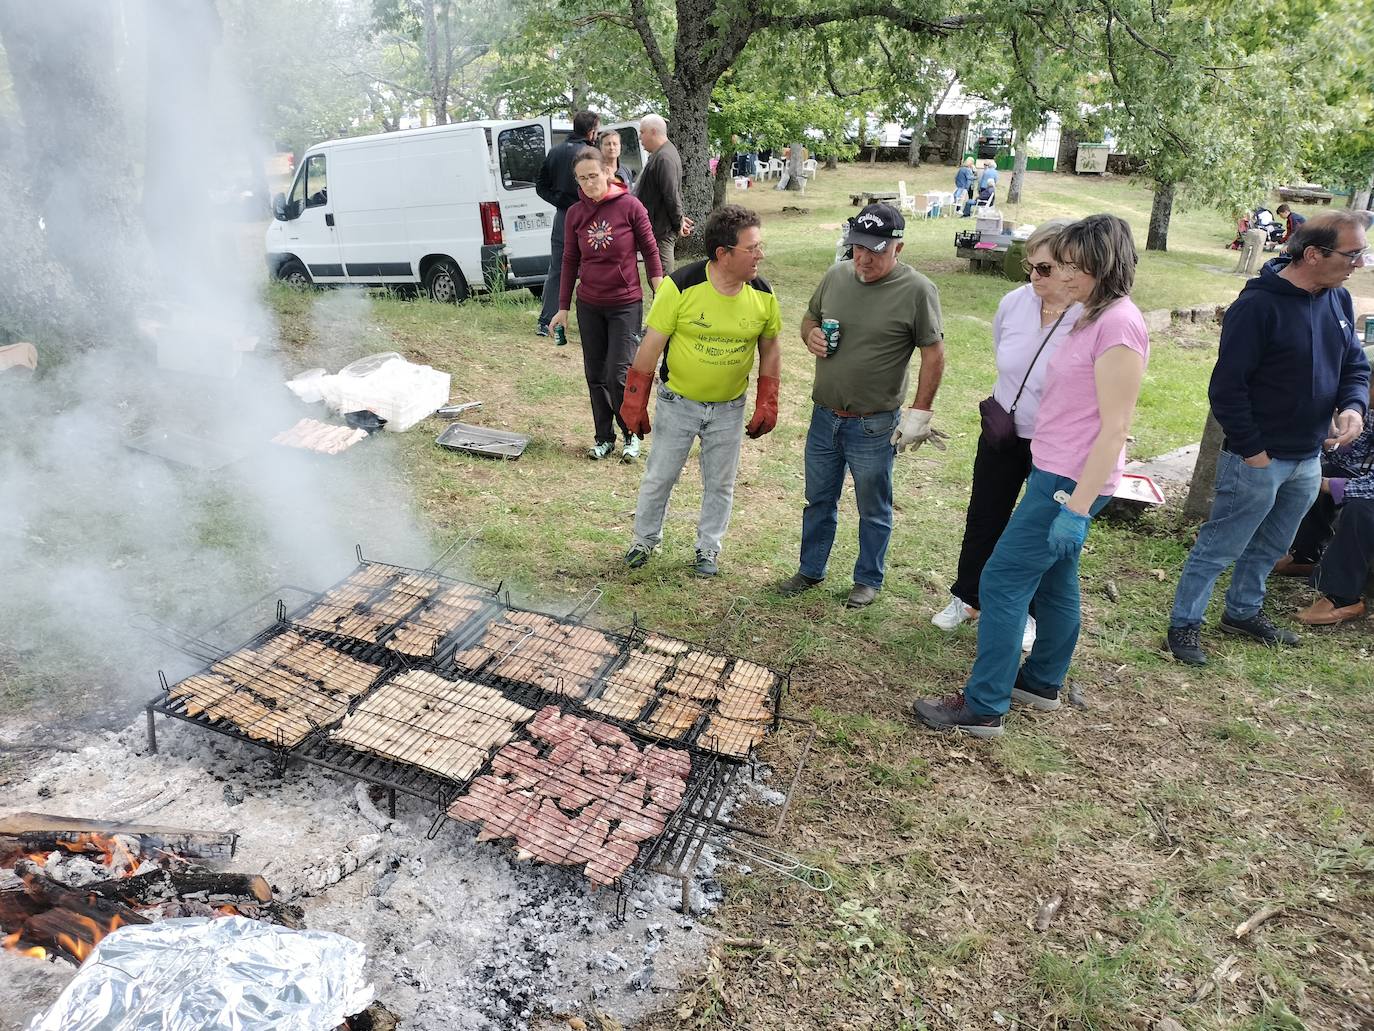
point(705, 325)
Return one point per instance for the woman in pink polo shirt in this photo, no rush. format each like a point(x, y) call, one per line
point(1078, 452)
point(603, 231)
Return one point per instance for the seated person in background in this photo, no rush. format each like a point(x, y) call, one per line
point(1335, 542)
point(985, 196)
point(1291, 221)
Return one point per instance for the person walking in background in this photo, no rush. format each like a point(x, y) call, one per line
point(1289, 376)
point(609, 142)
point(886, 310)
point(1030, 324)
point(660, 188)
point(707, 321)
point(604, 229)
point(556, 185)
point(964, 187)
point(1078, 451)
point(1252, 240)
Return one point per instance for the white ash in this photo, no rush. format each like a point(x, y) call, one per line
point(457, 934)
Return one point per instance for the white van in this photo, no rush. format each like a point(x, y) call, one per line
point(449, 207)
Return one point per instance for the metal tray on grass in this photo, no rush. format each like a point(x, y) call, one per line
point(185, 449)
point(479, 440)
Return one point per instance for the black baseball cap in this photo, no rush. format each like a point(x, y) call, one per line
point(875, 227)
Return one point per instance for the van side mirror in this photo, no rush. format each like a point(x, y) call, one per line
point(279, 207)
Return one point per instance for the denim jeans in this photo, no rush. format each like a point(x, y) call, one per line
point(1254, 518)
point(677, 423)
point(1022, 570)
point(864, 447)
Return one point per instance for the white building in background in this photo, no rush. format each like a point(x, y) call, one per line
point(981, 115)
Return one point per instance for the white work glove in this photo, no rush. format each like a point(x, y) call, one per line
point(915, 429)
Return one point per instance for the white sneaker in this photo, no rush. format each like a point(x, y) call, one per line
point(1028, 638)
point(631, 449)
point(601, 450)
point(953, 614)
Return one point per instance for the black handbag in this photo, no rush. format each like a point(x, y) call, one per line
point(999, 425)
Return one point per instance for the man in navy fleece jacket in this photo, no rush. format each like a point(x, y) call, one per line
point(1290, 377)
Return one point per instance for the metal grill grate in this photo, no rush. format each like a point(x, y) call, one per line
point(440, 689)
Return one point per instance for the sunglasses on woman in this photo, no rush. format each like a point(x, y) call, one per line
point(1043, 269)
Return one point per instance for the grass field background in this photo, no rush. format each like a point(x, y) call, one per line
point(1166, 812)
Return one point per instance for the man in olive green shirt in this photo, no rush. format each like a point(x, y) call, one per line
point(886, 310)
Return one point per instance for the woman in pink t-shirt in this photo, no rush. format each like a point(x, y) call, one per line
point(1029, 326)
point(1077, 454)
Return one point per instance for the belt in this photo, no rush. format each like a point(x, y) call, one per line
point(850, 415)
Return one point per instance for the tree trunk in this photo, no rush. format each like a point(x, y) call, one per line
point(913, 150)
point(718, 188)
point(687, 107)
point(832, 162)
point(794, 165)
point(1160, 210)
point(1200, 491)
point(1018, 171)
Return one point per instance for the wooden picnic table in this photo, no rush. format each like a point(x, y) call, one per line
point(868, 197)
point(983, 257)
point(1297, 193)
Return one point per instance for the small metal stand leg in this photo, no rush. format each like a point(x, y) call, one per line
point(391, 802)
point(152, 732)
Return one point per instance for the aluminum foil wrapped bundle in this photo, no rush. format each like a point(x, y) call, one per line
point(231, 974)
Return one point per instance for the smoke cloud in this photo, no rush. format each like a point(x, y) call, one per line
point(121, 136)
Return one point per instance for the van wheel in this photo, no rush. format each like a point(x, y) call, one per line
point(293, 273)
point(445, 283)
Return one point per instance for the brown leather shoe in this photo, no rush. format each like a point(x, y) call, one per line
point(1289, 566)
point(1323, 612)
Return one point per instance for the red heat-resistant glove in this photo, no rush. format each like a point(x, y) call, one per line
point(634, 410)
point(765, 408)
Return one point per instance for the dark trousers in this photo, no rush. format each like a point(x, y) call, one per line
point(1344, 568)
point(998, 476)
point(1314, 530)
point(666, 246)
point(555, 276)
point(610, 337)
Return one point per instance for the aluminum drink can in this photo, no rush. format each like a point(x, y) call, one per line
point(560, 336)
point(831, 329)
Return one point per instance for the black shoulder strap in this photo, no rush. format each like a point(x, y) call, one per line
point(1025, 378)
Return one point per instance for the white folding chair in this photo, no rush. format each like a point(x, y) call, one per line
point(905, 201)
point(809, 168)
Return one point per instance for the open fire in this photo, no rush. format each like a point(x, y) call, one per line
point(65, 886)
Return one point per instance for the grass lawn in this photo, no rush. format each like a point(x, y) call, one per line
point(1174, 806)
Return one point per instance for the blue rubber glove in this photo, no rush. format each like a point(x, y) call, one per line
point(1067, 533)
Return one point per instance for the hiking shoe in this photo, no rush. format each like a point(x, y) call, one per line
point(953, 614)
point(1028, 635)
point(637, 556)
point(541, 330)
point(1045, 701)
point(630, 451)
point(600, 450)
point(705, 564)
point(1185, 644)
point(1261, 628)
point(796, 584)
point(860, 596)
point(950, 714)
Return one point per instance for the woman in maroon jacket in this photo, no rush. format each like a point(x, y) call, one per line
point(603, 231)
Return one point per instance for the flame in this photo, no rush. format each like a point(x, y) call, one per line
point(95, 931)
point(113, 852)
point(11, 942)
